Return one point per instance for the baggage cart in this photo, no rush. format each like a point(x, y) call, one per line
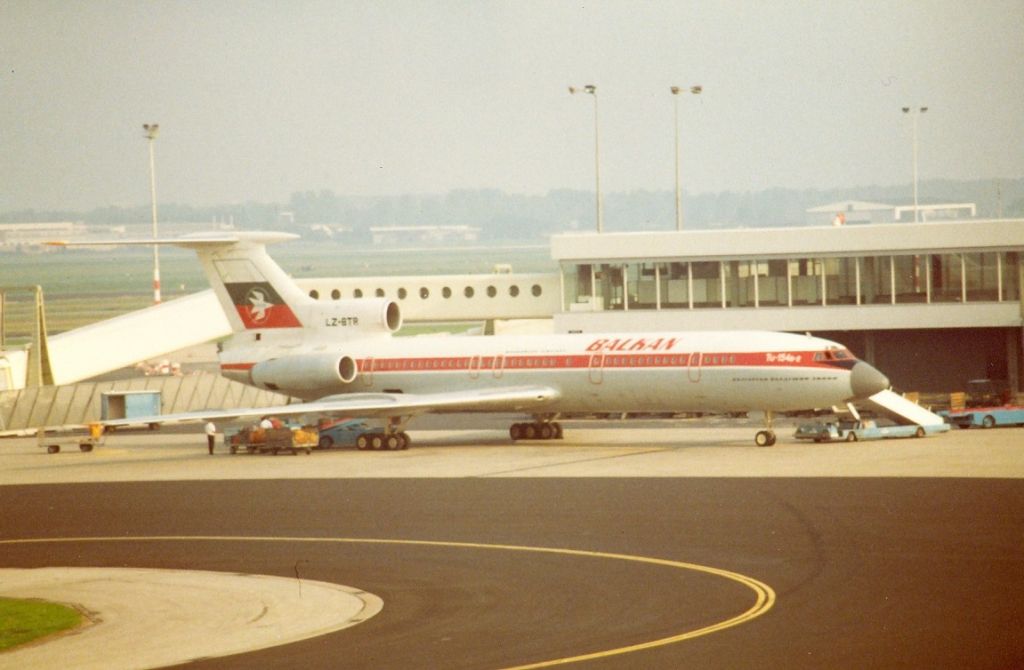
point(85, 439)
point(271, 440)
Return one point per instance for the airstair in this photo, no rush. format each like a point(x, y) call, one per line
point(100, 347)
point(125, 340)
point(903, 411)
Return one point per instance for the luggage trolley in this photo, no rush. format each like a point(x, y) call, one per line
point(53, 440)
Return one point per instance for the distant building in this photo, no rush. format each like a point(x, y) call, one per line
point(938, 211)
point(849, 212)
point(16, 235)
point(332, 231)
point(399, 235)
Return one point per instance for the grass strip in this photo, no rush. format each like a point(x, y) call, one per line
point(23, 621)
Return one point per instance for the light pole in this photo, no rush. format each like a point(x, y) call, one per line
point(592, 90)
point(695, 90)
point(914, 113)
point(151, 132)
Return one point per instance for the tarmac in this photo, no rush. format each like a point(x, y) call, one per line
point(452, 537)
point(696, 448)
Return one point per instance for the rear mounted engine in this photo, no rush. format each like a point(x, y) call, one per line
point(305, 372)
point(362, 314)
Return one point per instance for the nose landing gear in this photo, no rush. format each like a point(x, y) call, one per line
point(765, 438)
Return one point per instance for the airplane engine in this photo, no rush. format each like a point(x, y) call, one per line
point(362, 315)
point(305, 372)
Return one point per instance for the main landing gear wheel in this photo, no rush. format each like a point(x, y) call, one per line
point(538, 430)
point(381, 441)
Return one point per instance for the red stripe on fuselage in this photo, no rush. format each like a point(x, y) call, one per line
point(236, 366)
point(598, 359)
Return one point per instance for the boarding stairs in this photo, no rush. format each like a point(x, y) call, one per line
point(903, 411)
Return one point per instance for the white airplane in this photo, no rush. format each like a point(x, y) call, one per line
point(339, 358)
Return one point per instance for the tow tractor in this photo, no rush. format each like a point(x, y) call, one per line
point(987, 393)
point(987, 417)
point(987, 403)
point(343, 433)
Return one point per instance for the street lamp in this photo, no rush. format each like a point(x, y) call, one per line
point(151, 132)
point(914, 113)
point(695, 90)
point(592, 90)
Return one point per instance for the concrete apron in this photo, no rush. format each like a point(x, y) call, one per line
point(144, 618)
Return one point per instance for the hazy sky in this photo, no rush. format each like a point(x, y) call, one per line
point(256, 100)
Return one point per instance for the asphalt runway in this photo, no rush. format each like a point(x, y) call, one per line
point(867, 572)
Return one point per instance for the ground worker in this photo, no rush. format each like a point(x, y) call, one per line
point(211, 435)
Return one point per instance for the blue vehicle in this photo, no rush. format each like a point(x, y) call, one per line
point(344, 433)
point(852, 431)
point(986, 417)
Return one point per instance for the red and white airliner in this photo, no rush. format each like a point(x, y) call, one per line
point(339, 358)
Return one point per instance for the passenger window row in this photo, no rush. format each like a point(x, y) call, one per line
point(446, 292)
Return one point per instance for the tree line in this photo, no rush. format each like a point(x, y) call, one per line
point(508, 216)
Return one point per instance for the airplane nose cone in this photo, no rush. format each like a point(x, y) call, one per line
point(866, 381)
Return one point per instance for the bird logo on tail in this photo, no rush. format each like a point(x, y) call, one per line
point(260, 306)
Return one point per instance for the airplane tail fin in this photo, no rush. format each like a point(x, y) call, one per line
point(255, 293)
point(253, 290)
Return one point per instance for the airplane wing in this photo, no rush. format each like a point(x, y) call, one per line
point(501, 399)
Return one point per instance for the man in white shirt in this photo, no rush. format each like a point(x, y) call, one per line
point(211, 435)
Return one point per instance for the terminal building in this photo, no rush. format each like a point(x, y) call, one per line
point(932, 304)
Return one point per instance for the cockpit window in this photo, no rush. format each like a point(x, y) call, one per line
point(833, 354)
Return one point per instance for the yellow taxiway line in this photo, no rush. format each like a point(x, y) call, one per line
point(764, 596)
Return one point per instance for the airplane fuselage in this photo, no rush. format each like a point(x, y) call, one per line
point(626, 372)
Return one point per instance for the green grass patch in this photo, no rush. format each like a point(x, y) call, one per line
point(22, 621)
